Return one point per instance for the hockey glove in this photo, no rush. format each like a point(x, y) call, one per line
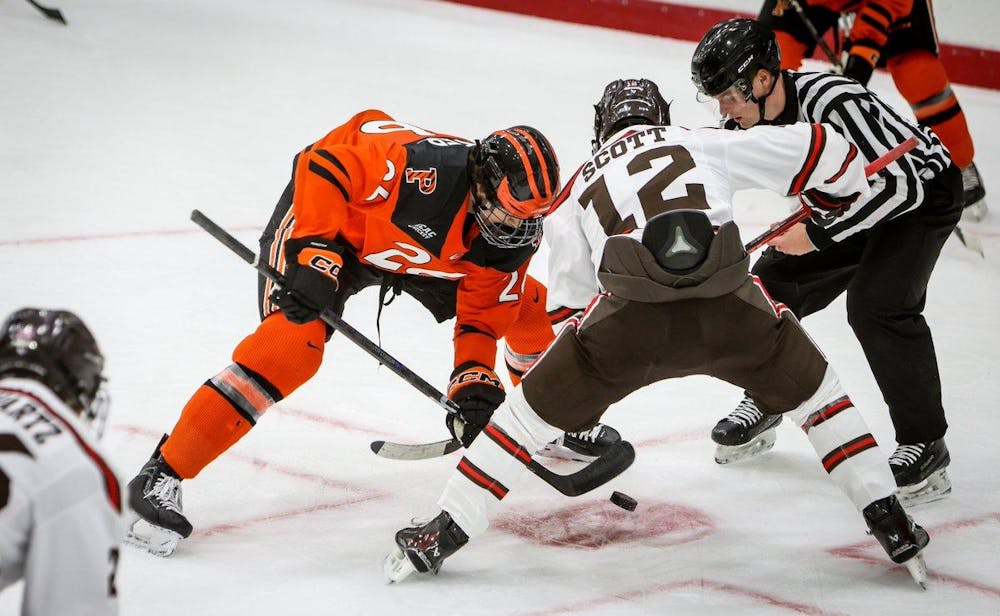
point(825, 208)
point(478, 392)
point(861, 63)
point(310, 278)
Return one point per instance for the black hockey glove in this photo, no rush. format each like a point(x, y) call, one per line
point(478, 392)
point(310, 278)
point(861, 61)
point(825, 208)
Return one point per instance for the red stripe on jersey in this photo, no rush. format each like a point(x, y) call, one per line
point(826, 413)
point(474, 474)
point(507, 444)
point(817, 142)
point(562, 196)
point(849, 449)
point(777, 307)
point(559, 315)
point(852, 153)
point(111, 486)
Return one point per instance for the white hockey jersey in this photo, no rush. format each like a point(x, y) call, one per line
point(61, 506)
point(643, 171)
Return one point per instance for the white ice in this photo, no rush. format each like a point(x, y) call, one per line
point(113, 129)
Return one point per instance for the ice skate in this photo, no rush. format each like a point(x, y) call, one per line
point(423, 547)
point(901, 538)
point(744, 433)
point(582, 446)
point(921, 472)
point(974, 194)
point(155, 497)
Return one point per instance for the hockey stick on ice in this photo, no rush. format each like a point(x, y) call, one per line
point(870, 169)
point(53, 14)
point(606, 467)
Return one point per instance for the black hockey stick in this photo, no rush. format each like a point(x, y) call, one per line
point(837, 66)
point(328, 316)
point(53, 14)
point(605, 468)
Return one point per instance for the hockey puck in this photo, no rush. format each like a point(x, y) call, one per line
point(624, 501)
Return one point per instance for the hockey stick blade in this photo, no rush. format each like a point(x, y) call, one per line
point(53, 14)
point(400, 451)
point(602, 470)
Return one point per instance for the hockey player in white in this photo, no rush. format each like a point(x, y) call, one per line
point(643, 239)
point(60, 503)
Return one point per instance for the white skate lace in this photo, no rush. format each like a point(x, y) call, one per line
point(167, 492)
point(906, 455)
point(587, 435)
point(970, 177)
point(746, 413)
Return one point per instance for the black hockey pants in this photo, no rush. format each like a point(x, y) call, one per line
point(885, 272)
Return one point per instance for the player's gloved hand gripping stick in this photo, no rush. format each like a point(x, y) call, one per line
point(597, 473)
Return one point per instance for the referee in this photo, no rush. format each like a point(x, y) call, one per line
point(881, 251)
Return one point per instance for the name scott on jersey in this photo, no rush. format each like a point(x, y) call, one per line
point(632, 141)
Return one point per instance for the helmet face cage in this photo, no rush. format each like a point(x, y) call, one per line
point(517, 174)
point(628, 101)
point(730, 54)
point(56, 348)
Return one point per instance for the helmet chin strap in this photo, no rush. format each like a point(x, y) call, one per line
point(763, 99)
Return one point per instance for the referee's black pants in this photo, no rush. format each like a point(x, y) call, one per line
point(885, 273)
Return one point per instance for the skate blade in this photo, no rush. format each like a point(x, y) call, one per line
point(934, 488)
point(918, 570)
point(975, 212)
point(727, 454)
point(561, 452)
point(154, 539)
point(397, 567)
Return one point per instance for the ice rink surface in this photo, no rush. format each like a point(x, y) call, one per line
point(113, 129)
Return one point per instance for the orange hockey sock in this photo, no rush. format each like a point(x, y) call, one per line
point(270, 364)
point(921, 79)
point(792, 50)
point(530, 333)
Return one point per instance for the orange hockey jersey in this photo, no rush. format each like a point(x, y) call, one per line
point(398, 197)
point(874, 18)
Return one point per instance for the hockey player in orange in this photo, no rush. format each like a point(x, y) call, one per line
point(900, 36)
point(378, 202)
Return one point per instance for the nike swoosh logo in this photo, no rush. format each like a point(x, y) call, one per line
point(312, 346)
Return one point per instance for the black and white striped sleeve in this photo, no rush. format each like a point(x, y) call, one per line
point(875, 128)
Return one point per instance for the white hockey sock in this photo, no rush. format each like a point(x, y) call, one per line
point(494, 463)
point(844, 443)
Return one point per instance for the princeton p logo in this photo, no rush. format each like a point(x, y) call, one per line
point(425, 179)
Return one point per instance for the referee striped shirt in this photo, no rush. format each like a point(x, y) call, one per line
point(874, 127)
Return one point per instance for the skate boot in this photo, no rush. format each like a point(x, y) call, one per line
point(155, 497)
point(900, 537)
point(423, 547)
point(744, 433)
point(582, 446)
point(921, 472)
point(974, 194)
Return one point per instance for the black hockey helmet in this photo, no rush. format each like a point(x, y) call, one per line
point(626, 102)
point(54, 347)
point(517, 174)
point(731, 53)
point(679, 239)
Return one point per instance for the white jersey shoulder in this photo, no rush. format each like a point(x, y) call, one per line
point(60, 505)
point(643, 171)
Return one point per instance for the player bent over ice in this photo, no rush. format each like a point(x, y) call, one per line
point(646, 226)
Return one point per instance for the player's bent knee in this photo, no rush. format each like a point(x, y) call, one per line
point(285, 354)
